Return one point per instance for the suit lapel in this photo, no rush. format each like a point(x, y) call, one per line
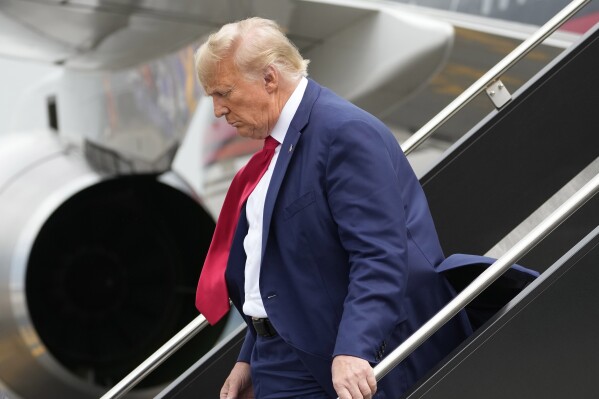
point(287, 150)
point(298, 122)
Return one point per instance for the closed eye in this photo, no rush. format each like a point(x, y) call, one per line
point(223, 93)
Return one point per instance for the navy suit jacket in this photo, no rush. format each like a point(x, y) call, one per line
point(349, 247)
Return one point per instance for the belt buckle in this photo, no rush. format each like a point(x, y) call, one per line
point(263, 327)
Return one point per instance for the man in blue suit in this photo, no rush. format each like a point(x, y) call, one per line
point(332, 263)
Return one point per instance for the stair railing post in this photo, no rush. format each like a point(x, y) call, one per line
point(415, 140)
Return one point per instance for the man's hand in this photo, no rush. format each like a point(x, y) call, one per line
point(239, 383)
point(353, 378)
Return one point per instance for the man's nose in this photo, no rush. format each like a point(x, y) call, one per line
point(219, 108)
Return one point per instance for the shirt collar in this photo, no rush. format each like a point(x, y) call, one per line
point(289, 110)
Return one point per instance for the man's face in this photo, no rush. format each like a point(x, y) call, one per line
point(248, 105)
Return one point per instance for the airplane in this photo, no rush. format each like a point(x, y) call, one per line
point(113, 167)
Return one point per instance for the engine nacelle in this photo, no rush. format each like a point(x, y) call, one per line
point(95, 273)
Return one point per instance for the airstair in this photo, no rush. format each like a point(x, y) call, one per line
point(488, 195)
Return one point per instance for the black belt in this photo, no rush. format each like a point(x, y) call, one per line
point(264, 327)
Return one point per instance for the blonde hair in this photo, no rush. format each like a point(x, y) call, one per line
point(254, 44)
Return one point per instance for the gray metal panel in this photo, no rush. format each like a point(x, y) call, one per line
point(515, 159)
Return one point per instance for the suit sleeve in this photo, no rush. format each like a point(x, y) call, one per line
point(364, 196)
point(245, 354)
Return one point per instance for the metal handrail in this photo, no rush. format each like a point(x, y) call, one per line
point(488, 277)
point(163, 353)
point(492, 75)
point(395, 357)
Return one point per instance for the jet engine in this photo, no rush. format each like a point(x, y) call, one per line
point(95, 273)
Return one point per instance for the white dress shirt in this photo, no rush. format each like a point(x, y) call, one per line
point(254, 209)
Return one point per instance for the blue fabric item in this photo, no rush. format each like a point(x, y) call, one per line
point(278, 373)
point(461, 269)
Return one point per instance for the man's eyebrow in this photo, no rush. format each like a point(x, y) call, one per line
point(228, 90)
point(219, 90)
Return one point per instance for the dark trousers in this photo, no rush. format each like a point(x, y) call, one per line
point(278, 373)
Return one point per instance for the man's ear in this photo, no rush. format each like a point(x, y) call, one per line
point(271, 78)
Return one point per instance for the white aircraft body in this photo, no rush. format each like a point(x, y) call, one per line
point(113, 167)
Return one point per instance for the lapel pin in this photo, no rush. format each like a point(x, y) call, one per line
point(290, 148)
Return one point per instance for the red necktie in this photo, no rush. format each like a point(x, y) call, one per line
point(212, 296)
